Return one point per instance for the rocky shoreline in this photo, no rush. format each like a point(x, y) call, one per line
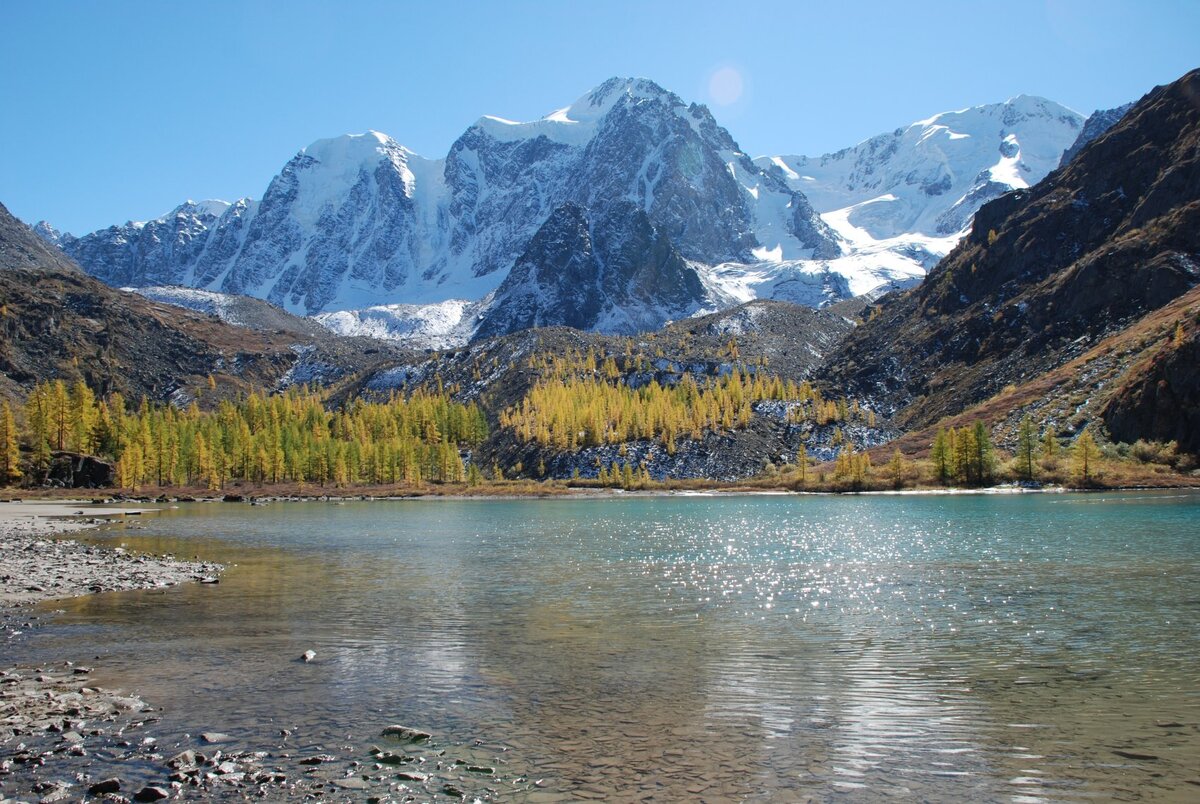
point(39, 566)
point(63, 738)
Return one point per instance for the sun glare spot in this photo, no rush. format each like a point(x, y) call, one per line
point(725, 86)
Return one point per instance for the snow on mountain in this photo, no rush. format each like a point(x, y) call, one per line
point(202, 301)
point(377, 239)
point(359, 220)
point(929, 178)
point(900, 201)
point(441, 325)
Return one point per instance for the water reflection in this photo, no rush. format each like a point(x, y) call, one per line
point(724, 649)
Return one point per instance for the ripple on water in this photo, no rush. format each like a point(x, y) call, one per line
point(726, 648)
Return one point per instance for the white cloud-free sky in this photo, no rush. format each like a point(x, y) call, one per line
point(119, 111)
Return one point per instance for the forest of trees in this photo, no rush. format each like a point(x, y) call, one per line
point(577, 403)
point(263, 439)
point(568, 411)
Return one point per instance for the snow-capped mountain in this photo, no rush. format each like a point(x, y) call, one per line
point(901, 201)
point(367, 233)
point(929, 178)
point(357, 220)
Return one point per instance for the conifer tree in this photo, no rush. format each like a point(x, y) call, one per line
point(1085, 455)
point(83, 418)
point(1027, 447)
point(984, 454)
point(37, 421)
point(896, 468)
point(10, 450)
point(1049, 449)
point(940, 455)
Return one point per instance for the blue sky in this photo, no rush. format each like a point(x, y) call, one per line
point(118, 111)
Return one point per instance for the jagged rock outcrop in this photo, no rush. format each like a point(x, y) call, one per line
point(1097, 123)
point(75, 471)
point(611, 272)
point(1163, 402)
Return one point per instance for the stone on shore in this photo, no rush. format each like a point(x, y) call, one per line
point(406, 734)
point(104, 787)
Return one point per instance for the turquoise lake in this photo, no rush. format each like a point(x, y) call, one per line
point(677, 648)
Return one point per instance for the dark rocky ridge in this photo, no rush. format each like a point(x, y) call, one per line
point(612, 271)
point(1045, 271)
point(1097, 123)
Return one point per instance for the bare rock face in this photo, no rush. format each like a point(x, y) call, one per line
point(75, 471)
point(613, 272)
point(1163, 404)
point(1097, 123)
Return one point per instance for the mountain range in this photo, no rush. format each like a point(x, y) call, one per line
point(622, 211)
point(1074, 300)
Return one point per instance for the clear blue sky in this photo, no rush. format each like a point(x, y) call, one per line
point(121, 110)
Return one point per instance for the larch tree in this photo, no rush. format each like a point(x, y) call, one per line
point(10, 448)
point(1085, 454)
point(1027, 447)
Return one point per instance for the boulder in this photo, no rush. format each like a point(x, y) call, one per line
point(77, 471)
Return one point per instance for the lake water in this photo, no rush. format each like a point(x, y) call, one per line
point(764, 648)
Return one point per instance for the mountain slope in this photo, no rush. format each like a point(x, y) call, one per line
point(59, 322)
point(1046, 271)
point(612, 272)
point(1097, 123)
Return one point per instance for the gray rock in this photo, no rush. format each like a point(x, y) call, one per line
point(215, 737)
point(406, 734)
point(184, 759)
point(151, 794)
point(112, 785)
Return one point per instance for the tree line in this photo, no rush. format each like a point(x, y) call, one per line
point(258, 438)
point(569, 411)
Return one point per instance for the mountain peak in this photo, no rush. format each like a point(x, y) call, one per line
point(209, 206)
point(355, 149)
point(575, 124)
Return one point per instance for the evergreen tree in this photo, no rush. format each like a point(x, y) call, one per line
point(1049, 449)
point(984, 454)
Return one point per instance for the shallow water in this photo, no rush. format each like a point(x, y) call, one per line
point(718, 648)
